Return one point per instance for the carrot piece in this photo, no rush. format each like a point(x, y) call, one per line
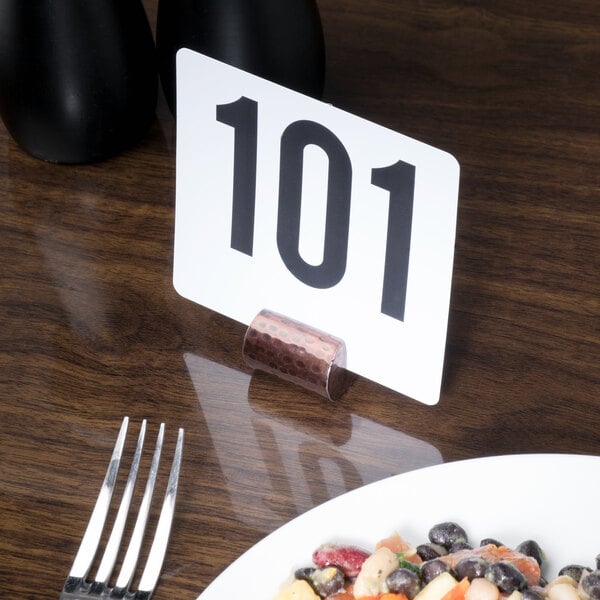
point(458, 591)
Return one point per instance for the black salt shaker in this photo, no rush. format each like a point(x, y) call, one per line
point(279, 40)
point(78, 78)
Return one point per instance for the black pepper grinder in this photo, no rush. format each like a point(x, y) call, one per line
point(78, 78)
point(279, 40)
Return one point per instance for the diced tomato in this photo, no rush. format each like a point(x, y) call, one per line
point(395, 542)
point(412, 556)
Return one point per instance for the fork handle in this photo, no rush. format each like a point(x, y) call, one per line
point(76, 588)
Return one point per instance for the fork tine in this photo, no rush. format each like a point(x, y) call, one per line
point(91, 537)
point(163, 529)
point(76, 586)
point(133, 550)
point(112, 547)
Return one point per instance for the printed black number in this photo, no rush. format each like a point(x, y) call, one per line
point(399, 180)
point(242, 115)
point(296, 137)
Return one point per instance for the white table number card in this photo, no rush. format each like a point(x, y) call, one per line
point(288, 203)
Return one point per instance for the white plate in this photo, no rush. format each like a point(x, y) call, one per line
point(552, 498)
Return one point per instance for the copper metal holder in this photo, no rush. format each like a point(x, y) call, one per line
point(297, 353)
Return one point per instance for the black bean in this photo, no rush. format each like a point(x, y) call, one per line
point(488, 541)
point(430, 551)
point(325, 581)
point(304, 573)
point(532, 548)
point(472, 567)
point(506, 577)
point(446, 534)
point(590, 584)
point(432, 568)
point(404, 581)
point(460, 546)
point(529, 594)
point(573, 571)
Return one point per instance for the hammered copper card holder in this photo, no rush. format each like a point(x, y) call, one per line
point(297, 353)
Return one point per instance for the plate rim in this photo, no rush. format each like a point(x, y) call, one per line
point(422, 472)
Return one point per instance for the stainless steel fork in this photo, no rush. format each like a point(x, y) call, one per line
point(77, 586)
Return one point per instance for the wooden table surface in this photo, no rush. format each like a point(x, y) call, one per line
point(91, 328)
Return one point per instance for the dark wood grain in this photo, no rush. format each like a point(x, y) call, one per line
point(91, 328)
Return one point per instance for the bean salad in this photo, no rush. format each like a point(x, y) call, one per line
point(445, 567)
